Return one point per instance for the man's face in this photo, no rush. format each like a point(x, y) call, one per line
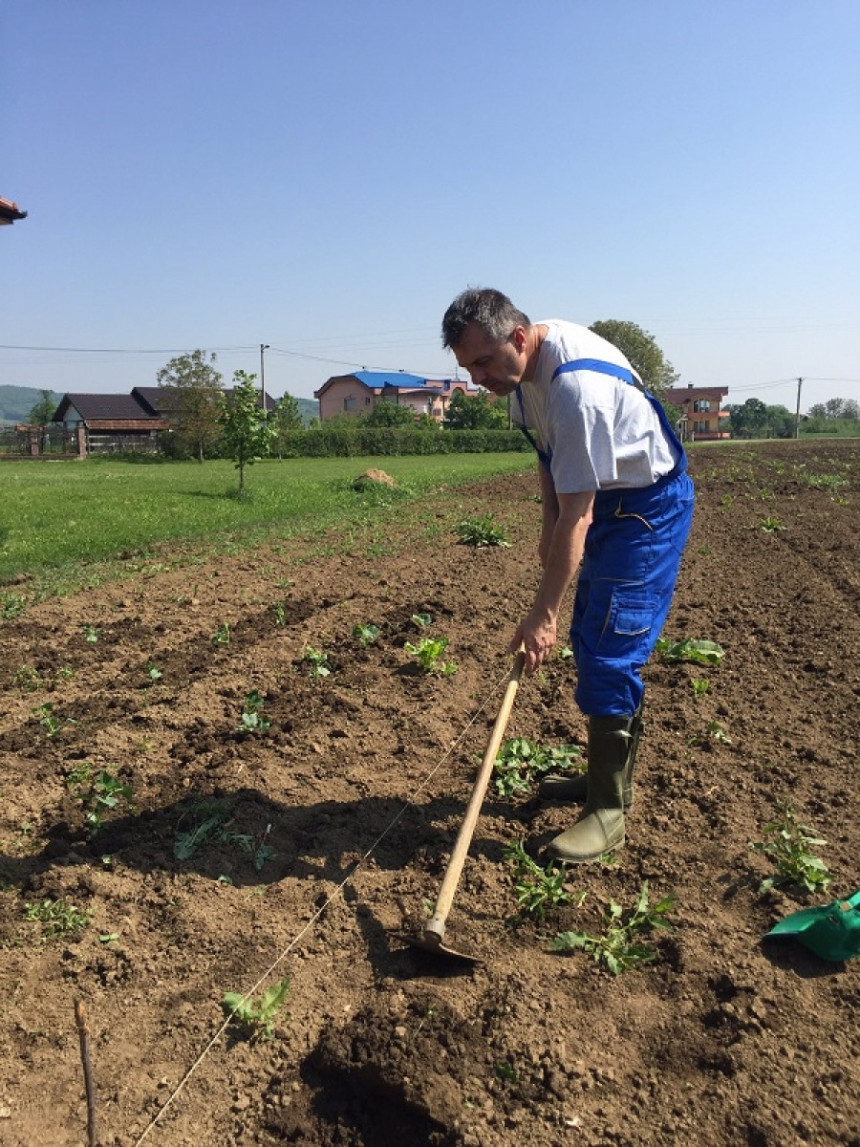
point(498, 366)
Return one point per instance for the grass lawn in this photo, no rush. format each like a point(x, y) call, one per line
point(57, 516)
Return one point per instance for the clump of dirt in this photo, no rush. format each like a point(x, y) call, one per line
point(214, 812)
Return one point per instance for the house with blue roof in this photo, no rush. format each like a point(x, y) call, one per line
point(359, 393)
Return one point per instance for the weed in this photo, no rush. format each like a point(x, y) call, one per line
point(700, 686)
point(520, 764)
point(253, 719)
point(257, 1018)
point(278, 610)
point(12, 606)
point(27, 678)
point(257, 848)
point(221, 636)
point(481, 532)
point(505, 1071)
point(57, 917)
point(317, 660)
point(365, 634)
point(66, 673)
point(422, 620)
point(91, 634)
point(186, 843)
point(789, 848)
point(428, 653)
point(727, 501)
point(700, 652)
point(824, 481)
point(621, 946)
point(771, 525)
point(153, 673)
point(537, 889)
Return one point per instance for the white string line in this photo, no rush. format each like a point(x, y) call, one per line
point(329, 900)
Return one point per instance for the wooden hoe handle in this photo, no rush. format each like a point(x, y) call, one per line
point(436, 925)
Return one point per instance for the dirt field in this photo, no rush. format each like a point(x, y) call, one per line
point(217, 869)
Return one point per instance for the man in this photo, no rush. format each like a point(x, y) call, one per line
point(617, 506)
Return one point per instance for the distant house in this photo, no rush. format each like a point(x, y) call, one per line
point(10, 211)
point(124, 421)
point(703, 416)
point(359, 393)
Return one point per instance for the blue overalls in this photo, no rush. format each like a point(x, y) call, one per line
point(629, 568)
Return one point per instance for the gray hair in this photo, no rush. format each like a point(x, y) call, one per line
point(492, 311)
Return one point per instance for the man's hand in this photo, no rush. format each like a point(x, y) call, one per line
point(537, 634)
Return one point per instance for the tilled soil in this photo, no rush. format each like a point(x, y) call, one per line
point(304, 849)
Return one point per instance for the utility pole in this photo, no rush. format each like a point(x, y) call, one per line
point(263, 348)
point(797, 414)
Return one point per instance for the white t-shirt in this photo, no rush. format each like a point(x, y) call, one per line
point(600, 431)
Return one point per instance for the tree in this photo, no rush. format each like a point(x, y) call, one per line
point(641, 351)
point(194, 403)
point(247, 433)
point(388, 413)
point(285, 418)
point(476, 412)
point(43, 412)
point(749, 420)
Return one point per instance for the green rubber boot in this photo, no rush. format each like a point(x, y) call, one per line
point(574, 789)
point(601, 826)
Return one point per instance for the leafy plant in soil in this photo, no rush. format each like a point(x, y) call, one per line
point(771, 525)
point(621, 947)
point(365, 634)
point(481, 532)
point(428, 653)
point(257, 1017)
point(537, 889)
point(57, 917)
point(318, 661)
point(253, 719)
point(27, 679)
point(713, 734)
point(690, 649)
point(153, 673)
point(52, 724)
point(221, 636)
point(97, 794)
point(789, 847)
point(520, 764)
point(91, 634)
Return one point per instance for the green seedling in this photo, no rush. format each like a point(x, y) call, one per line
point(621, 946)
point(520, 764)
point(317, 660)
point(713, 734)
point(66, 673)
point(537, 889)
point(97, 795)
point(187, 842)
point(699, 652)
point(57, 917)
point(258, 849)
point(153, 673)
point(700, 685)
point(789, 848)
point(91, 634)
point(27, 679)
point(771, 525)
point(365, 634)
point(422, 620)
point(428, 653)
point(481, 532)
point(221, 636)
point(824, 481)
point(505, 1071)
point(257, 1017)
point(253, 719)
point(278, 610)
point(52, 724)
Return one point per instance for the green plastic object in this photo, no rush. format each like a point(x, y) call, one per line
point(831, 931)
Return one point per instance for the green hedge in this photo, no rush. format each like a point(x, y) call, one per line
point(342, 442)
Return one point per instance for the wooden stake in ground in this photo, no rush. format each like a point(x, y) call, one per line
point(83, 1035)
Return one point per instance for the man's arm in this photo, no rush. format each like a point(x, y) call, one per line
point(549, 507)
point(537, 630)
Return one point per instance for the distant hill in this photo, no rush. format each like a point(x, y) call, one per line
point(309, 407)
point(16, 402)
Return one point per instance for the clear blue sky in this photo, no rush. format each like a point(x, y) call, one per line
point(325, 176)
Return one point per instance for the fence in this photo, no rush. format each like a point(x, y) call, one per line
point(40, 442)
